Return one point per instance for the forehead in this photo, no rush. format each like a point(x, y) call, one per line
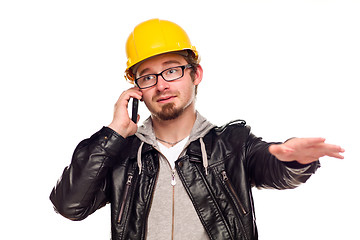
point(157, 63)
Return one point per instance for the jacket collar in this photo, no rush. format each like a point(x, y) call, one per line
point(201, 127)
point(147, 140)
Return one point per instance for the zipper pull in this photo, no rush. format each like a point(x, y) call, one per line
point(130, 177)
point(225, 177)
point(173, 181)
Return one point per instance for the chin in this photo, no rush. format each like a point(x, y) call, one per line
point(169, 112)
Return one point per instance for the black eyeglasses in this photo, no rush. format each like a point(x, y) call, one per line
point(169, 74)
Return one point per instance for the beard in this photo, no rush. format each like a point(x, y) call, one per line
point(169, 112)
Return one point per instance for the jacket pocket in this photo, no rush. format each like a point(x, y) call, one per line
point(125, 197)
point(232, 192)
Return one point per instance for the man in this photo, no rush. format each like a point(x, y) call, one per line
point(178, 176)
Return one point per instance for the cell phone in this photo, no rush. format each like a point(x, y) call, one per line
point(134, 113)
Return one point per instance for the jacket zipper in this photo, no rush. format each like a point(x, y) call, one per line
point(230, 187)
point(173, 183)
point(126, 193)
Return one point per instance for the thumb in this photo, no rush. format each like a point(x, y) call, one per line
point(276, 149)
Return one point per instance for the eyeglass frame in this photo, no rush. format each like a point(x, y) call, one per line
point(183, 67)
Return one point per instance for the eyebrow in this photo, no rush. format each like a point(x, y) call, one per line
point(164, 64)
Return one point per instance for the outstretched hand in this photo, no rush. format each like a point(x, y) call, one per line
point(305, 150)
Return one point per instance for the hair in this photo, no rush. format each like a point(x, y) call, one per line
point(194, 62)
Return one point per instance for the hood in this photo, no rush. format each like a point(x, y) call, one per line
point(201, 127)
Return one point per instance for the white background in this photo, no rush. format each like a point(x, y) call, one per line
point(289, 68)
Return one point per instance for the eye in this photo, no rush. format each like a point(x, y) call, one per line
point(172, 71)
point(147, 78)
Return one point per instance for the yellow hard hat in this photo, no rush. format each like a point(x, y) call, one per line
point(154, 37)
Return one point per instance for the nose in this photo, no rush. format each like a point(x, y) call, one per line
point(162, 84)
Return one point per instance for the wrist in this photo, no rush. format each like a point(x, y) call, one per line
point(111, 141)
point(119, 130)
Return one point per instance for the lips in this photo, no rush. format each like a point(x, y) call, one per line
point(165, 99)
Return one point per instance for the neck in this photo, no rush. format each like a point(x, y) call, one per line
point(176, 129)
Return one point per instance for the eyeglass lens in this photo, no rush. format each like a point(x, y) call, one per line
point(169, 74)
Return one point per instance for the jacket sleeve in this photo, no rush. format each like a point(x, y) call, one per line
point(82, 188)
point(266, 171)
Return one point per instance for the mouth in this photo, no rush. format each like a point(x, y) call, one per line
point(165, 99)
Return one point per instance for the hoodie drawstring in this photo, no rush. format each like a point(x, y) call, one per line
point(204, 155)
point(139, 157)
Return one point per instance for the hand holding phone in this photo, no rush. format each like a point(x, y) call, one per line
point(123, 121)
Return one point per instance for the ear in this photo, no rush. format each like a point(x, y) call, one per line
point(198, 75)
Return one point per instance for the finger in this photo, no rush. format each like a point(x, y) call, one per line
point(126, 95)
point(135, 93)
point(137, 96)
point(334, 151)
point(335, 155)
point(313, 141)
point(328, 148)
point(333, 147)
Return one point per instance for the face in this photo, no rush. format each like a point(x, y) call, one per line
point(168, 100)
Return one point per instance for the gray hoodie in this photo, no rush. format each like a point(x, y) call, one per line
point(172, 214)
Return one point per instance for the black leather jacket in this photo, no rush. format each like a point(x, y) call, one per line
point(104, 170)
